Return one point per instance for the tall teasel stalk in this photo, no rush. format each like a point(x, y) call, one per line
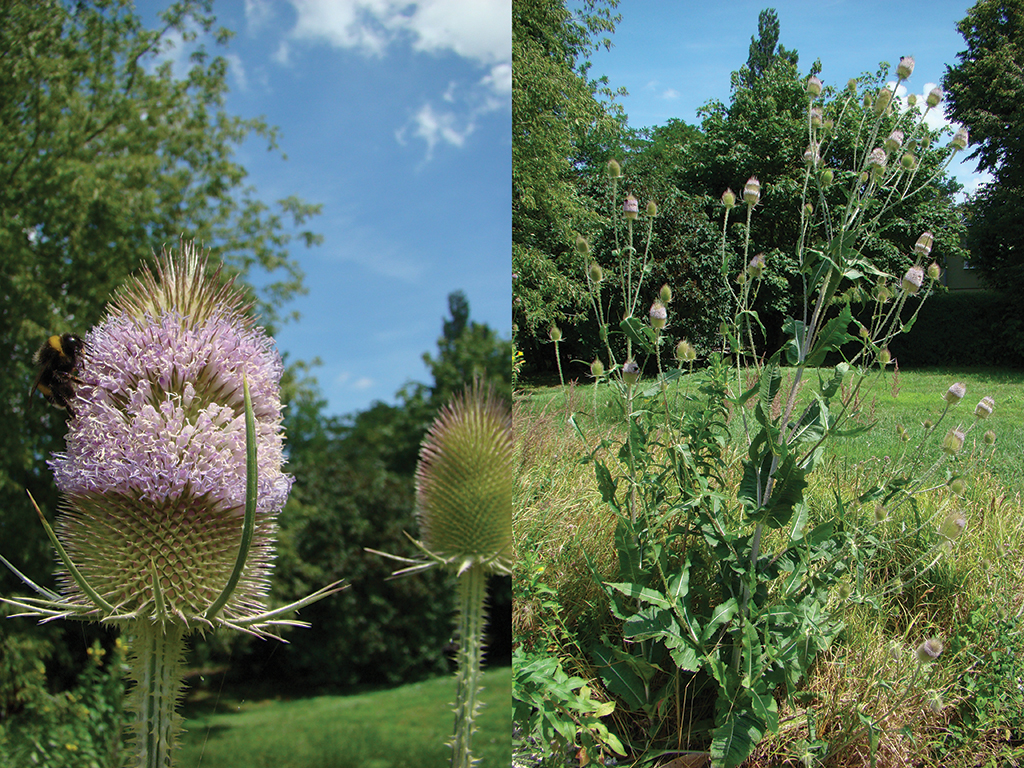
point(171, 483)
point(464, 507)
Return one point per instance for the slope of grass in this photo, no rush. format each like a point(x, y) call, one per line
point(405, 727)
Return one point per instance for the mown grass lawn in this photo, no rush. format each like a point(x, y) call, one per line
point(403, 727)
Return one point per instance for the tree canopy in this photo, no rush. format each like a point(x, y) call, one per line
point(985, 90)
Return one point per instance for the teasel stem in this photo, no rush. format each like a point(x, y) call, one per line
point(471, 591)
point(157, 667)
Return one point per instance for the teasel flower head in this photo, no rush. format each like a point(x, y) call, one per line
point(984, 408)
point(813, 87)
point(756, 266)
point(933, 98)
point(171, 482)
point(924, 244)
point(728, 198)
point(752, 191)
point(154, 476)
point(614, 169)
point(665, 294)
point(905, 68)
point(685, 352)
point(913, 280)
point(658, 315)
point(953, 526)
point(630, 372)
point(929, 650)
point(953, 441)
point(894, 141)
point(630, 207)
point(955, 393)
point(882, 101)
point(464, 482)
point(960, 139)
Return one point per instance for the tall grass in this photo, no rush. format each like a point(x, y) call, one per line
point(963, 710)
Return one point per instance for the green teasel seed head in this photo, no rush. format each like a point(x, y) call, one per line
point(953, 441)
point(597, 368)
point(582, 246)
point(729, 198)
point(614, 169)
point(652, 208)
point(933, 98)
point(596, 273)
point(464, 482)
point(555, 333)
point(685, 352)
point(665, 294)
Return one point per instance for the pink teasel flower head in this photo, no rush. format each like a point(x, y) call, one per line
point(154, 476)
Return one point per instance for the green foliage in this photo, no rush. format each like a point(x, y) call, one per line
point(984, 91)
point(556, 117)
point(764, 50)
point(78, 727)
point(468, 350)
point(991, 697)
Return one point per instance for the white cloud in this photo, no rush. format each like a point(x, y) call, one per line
point(258, 15)
point(670, 93)
point(435, 127)
point(499, 80)
point(479, 30)
point(345, 378)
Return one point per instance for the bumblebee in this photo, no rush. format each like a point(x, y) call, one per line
point(56, 360)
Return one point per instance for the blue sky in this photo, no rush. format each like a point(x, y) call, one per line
point(673, 57)
point(396, 116)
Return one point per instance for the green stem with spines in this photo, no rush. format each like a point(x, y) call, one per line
point(471, 591)
point(156, 664)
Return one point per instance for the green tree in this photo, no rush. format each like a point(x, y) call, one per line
point(984, 91)
point(558, 124)
point(765, 50)
point(105, 155)
point(467, 350)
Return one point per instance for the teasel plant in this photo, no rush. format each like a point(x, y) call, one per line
point(464, 483)
point(171, 483)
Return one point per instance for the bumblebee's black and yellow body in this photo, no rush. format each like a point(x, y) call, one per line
point(56, 360)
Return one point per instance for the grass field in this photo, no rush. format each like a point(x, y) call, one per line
point(404, 727)
point(970, 713)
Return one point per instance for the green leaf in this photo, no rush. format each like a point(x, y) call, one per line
point(642, 335)
point(644, 594)
point(620, 676)
point(831, 338)
point(734, 740)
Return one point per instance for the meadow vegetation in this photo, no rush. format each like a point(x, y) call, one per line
point(964, 710)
